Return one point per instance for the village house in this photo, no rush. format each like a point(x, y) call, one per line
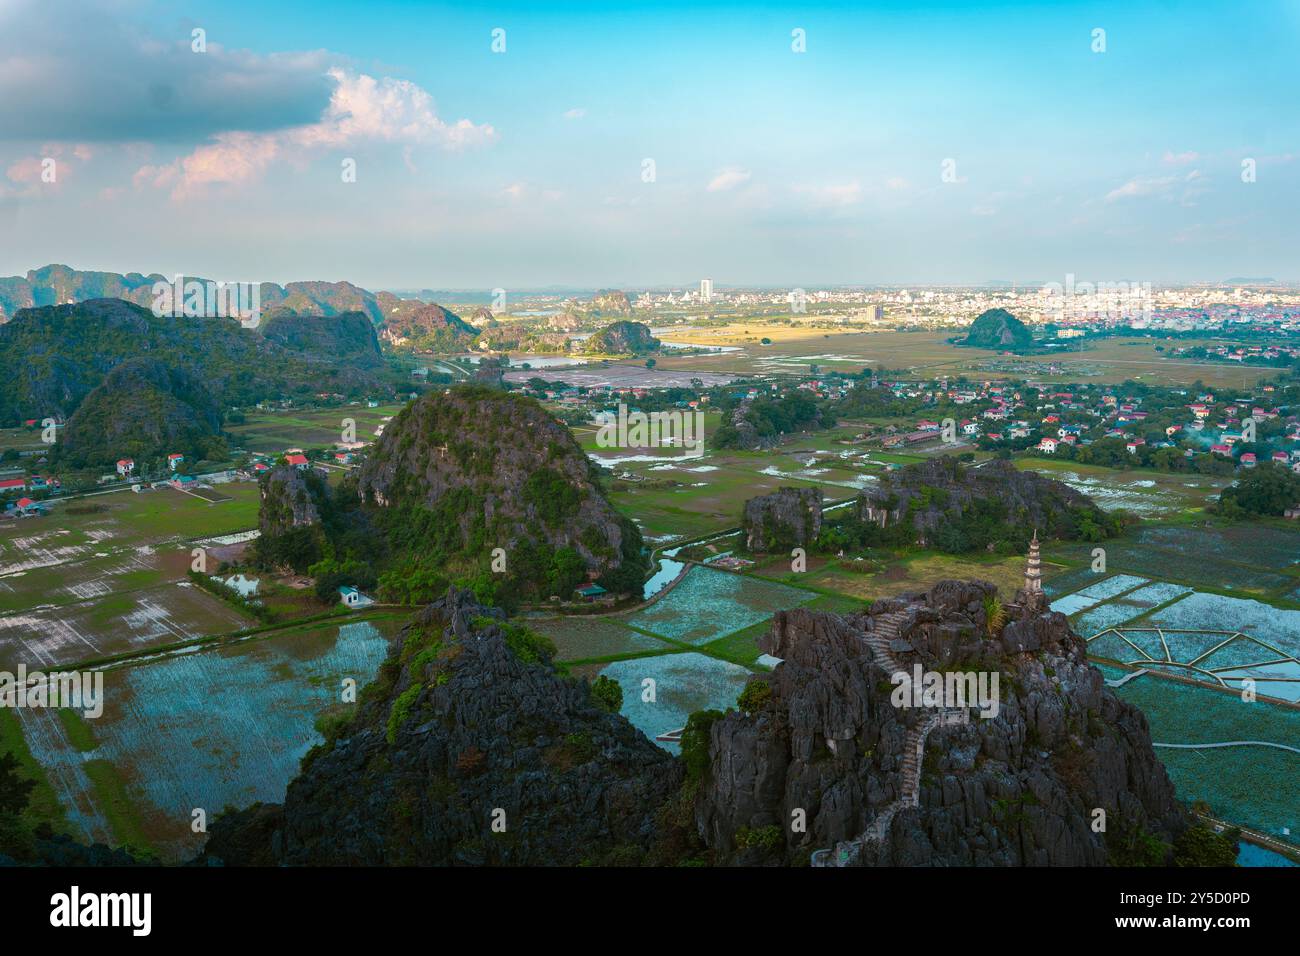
point(125, 466)
point(353, 598)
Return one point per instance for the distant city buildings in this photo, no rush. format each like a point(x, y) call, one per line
point(706, 290)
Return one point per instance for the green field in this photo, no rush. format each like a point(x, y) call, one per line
point(271, 432)
point(928, 353)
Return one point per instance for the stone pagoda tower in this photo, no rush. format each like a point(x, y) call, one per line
point(1031, 595)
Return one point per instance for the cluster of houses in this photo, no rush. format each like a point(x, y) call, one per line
point(1216, 431)
point(1270, 354)
point(1077, 418)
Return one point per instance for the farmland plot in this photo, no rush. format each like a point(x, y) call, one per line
point(683, 684)
point(103, 626)
point(708, 604)
point(208, 729)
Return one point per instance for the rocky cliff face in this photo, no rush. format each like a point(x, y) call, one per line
point(467, 725)
point(787, 518)
point(941, 491)
point(623, 337)
point(881, 784)
point(426, 324)
point(290, 499)
point(611, 302)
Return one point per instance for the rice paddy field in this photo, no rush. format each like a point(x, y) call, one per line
point(114, 624)
point(1164, 626)
point(1148, 494)
point(1258, 559)
point(683, 684)
point(708, 604)
point(1254, 786)
point(594, 638)
point(211, 729)
point(106, 573)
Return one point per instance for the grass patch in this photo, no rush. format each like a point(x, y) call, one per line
point(78, 730)
point(113, 799)
point(43, 805)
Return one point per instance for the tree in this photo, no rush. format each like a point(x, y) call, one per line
point(1200, 846)
point(14, 790)
point(756, 693)
point(607, 694)
point(695, 741)
point(649, 363)
point(1264, 490)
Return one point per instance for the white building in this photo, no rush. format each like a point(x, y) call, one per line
point(706, 290)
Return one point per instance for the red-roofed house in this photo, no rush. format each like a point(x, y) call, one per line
point(125, 466)
point(174, 461)
point(297, 461)
point(11, 485)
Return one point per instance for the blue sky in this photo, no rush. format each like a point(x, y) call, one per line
point(523, 169)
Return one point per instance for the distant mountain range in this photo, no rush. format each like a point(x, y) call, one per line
point(56, 359)
point(63, 285)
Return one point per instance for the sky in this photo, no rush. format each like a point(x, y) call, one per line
point(637, 145)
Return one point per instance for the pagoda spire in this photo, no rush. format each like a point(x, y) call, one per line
point(1034, 573)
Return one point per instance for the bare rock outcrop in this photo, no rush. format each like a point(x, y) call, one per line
point(787, 518)
point(883, 781)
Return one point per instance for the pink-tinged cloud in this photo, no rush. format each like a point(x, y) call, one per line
point(362, 110)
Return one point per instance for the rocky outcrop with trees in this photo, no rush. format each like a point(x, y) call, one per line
point(468, 749)
point(622, 338)
point(787, 518)
point(946, 504)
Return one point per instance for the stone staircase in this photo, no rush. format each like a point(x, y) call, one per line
point(879, 638)
point(849, 852)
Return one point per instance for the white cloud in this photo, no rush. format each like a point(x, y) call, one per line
point(729, 177)
point(833, 194)
point(361, 110)
point(1180, 159)
point(1141, 186)
point(576, 113)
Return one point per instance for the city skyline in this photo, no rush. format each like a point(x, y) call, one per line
point(940, 146)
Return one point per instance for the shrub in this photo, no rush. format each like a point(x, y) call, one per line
point(607, 694)
point(755, 695)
